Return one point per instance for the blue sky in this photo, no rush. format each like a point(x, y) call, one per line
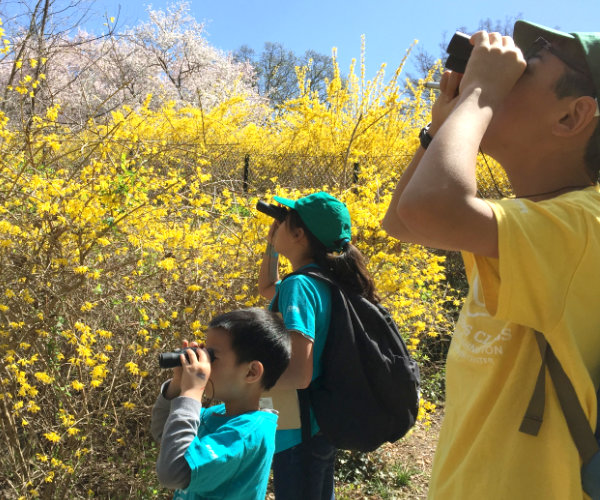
point(390, 26)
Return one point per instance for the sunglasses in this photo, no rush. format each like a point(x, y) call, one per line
point(540, 44)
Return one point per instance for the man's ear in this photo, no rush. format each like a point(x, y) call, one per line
point(580, 113)
point(255, 372)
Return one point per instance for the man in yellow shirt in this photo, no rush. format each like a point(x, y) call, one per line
point(533, 261)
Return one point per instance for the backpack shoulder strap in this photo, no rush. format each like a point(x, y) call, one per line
point(313, 272)
point(578, 424)
point(316, 273)
point(534, 416)
point(304, 402)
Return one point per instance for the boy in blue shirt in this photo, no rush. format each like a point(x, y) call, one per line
point(225, 451)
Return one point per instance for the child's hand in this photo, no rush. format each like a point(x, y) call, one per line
point(195, 372)
point(272, 231)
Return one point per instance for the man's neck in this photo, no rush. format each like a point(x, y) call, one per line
point(546, 177)
point(551, 194)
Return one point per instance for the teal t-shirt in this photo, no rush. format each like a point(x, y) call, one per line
point(305, 304)
point(231, 456)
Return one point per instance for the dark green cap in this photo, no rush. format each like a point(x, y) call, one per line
point(525, 33)
point(326, 217)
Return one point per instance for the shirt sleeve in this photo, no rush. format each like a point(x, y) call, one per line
point(298, 304)
point(180, 430)
point(540, 247)
point(160, 413)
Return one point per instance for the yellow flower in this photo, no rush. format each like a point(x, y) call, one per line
point(77, 385)
point(132, 367)
point(44, 377)
point(53, 437)
point(32, 407)
point(88, 306)
point(167, 264)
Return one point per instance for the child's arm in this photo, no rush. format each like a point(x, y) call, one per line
point(160, 413)
point(180, 430)
point(181, 426)
point(169, 390)
point(268, 274)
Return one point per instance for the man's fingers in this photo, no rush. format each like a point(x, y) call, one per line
point(495, 38)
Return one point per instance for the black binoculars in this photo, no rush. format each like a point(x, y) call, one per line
point(172, 359)
point(459, 50)
point(278, 213)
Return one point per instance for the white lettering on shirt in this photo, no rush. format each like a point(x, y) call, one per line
point(479, 340)
point(212, 453)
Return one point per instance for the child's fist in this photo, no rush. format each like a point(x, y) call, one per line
point(195, 365)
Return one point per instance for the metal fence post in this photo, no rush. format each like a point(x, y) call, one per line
point(355, 172)
point(246, 172)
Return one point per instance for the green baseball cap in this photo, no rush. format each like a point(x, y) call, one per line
point(326, 217)
point(525, 33)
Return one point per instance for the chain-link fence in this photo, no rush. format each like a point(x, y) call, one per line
point(259, 172)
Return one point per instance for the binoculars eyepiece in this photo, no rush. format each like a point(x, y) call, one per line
point(172, 359)
point(278, 213)
point(459, 50)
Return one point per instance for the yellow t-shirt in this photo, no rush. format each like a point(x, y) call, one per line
point(547, 277)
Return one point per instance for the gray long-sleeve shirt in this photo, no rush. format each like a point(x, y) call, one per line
point(174, 426)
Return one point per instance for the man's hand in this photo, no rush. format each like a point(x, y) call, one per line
point(196, 372)
point(445, 101)
point(495, 65)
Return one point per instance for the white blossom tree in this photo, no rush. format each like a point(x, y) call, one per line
point(89, 75)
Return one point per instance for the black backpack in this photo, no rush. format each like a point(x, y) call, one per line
point(368, 391)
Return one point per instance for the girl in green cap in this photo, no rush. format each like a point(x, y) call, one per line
point(315, 232)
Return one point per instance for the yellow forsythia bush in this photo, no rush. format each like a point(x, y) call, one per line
point(118, 241)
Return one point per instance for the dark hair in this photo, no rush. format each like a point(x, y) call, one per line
point(580, 83)
point(348, 267)
point(258, 334)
